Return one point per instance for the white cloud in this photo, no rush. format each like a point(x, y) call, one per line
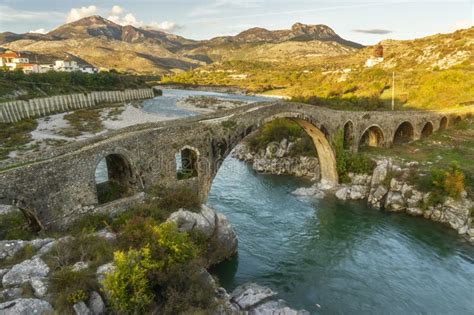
point(79, 13)
point(123, 18)
point(39, 31)
point(116, 10)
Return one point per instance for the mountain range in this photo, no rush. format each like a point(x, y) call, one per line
point(105, 44)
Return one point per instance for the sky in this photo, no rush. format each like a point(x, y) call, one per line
point(366, 22)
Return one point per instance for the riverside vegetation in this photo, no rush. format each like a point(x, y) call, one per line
point(157, 267)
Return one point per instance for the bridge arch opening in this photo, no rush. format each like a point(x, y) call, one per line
point(443, 124)
point(348, 135)
point(404, 133)
point(113, 178)
point(372, 137)
point(457, 120)
point(187, 163)
point(427, 130)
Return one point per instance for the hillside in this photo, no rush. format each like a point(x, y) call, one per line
point(105, 44)
point(432, 72)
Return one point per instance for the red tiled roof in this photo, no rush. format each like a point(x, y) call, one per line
point(9, 55)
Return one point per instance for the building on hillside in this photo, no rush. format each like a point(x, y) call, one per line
point(12, 60)
point(66, 65)
point(29, 68)
point(376, 58)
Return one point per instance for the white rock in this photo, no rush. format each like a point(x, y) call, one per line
point(358, 192)
point(395, 202)
point(414, 211)
point(40, 287)
point(80, 265)
point(312, 191)
point(109, 236)
point(25, 271)
point(342, 193)
point(204, 222)
point(103, 271)
point(25, 307)
point(275, 308)
point(251, 294)
point(81, 308)
point(96, 304)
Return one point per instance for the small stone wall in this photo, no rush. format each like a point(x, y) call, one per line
point(17, 110)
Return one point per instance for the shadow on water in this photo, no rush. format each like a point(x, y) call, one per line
point(344, 256)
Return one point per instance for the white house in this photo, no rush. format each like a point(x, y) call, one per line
point(66, 66)
point(12, 60)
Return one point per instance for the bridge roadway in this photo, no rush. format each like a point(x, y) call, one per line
point(60, 184)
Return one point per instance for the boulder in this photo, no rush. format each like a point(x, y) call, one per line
point(342, 193)
point(10, 248)
point(276, 308)
point(187, 221)
point(380, 173)
point(226, 240)
point(25, 307)
point(414, 211)
point(108, 236)
point(40, 287)
point(396, 185)
point(312, 191)
point(376, 195)
point(25, 272)
point(103, 270)
point(395, 202)
point(358, 192)
point(249, 295)
point(81, 308)
point(96, 304)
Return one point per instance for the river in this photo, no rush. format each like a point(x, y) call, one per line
point(329, 256)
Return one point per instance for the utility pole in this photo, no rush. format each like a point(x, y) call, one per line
point(393, 90)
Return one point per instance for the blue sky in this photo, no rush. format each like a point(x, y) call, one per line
point(366, 22)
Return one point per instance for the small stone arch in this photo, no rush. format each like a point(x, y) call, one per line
point(113, 178)
point(372, 137)
point(187, 161)
point(443, 123)
point(427, 130)
point(348, 134)
point(404, 133)
point(457, 120)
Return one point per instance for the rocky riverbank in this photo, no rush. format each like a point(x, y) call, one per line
point(388, 188)
point(25, 284)
point(278, 159)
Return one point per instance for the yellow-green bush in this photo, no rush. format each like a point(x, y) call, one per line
point(140, 279)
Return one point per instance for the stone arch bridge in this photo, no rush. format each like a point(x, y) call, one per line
point(60, 184)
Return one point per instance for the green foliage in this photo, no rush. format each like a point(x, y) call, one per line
point(172, 199)
point(68, 287)
point(85, 120)
point(346, 162)
point(55, 83)
point(13, 226)
point(84, 247)
point(90, 223)
point(141, 275)
point(279, 129)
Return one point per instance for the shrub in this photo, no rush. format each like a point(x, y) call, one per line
point(275, 131)
point(85, 247)
point(13, 226)
point(453, 183)
point(142, 276)
point(68, 287)
point(346, 162)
